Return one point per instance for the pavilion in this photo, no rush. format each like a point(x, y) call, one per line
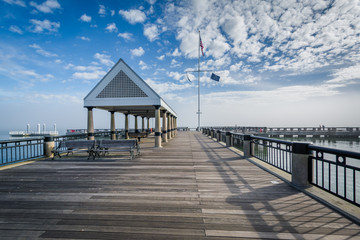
point(122, 90)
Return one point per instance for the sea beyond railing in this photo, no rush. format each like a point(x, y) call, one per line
point(333, 170)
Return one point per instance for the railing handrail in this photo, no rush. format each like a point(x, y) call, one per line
point(272, 140)
point(335, 151)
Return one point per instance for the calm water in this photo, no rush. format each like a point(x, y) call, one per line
point(343, 144)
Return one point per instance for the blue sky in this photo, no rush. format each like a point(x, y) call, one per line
point(281, 63)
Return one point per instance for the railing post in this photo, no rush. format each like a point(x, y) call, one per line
point(212, 133)
point(49, 145)
point(218, 136)
point(228, 139)
point(299, 166)
point(247, 146)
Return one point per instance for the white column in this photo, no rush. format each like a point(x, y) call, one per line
point(168, 127)
point(148, 126)
point(157, 127)
point(143, 124)
point(164, 130)
point(126, 126)
point(136, 124)
point(112, 125)
point(172, 127)
point(90, 124)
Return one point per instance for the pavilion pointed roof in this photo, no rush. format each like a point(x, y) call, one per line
point(122, 90)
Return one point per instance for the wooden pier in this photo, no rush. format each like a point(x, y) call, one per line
point(192, 188)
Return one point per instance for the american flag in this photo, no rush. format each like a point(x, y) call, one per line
point(202, 47)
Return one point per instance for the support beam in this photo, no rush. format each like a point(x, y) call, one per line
point(90, 124)
point(112, 125)
point(157, 127)
point(126, 126)
point(164, 130)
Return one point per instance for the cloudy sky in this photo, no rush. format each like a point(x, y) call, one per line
point(281, 63)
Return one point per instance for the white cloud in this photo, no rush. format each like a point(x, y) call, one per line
point(104, 59)
point(85, 18)
point(175, 63)
point(45, 25)
point(294, 36)
point(54, 98)
point(84, 38)
point(36, 76)
point(125, 35)
point(83, 68)
point(111, 27)
point(346, 75)
point(89, 75)
point(133, 16)
point(166, 87)
point(151, 1)
point(41, 51)
point(102, 11)
point(176, 75)
point(176, 53)
point(143, 65)
point(161, 57)
point(15, 29)
point(295, 93)
point(137, 52)
point(16, 2)
point(112, 12)
point(46, 7)
point(236, 67)
point(151, 32)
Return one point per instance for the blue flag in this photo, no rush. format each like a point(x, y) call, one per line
point(215, 77)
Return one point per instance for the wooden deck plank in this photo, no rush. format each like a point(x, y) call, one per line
point(192, 188)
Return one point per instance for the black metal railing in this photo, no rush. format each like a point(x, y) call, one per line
point(273, 151)
point(238, 141)
point(222, 136)
point(20, 150)
point(336, 171)
point(12, 151)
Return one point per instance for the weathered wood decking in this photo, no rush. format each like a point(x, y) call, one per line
point(192, 188)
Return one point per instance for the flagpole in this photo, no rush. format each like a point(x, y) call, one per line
point(199, 84)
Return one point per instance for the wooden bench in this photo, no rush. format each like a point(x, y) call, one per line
point(138, 135)
point(71, 146)
point(106, 146)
